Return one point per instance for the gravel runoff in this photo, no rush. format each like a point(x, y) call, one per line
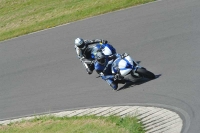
point(155, 120)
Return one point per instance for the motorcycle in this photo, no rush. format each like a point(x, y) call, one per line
point(125, 69)
point(130, 70)
point(106, 49)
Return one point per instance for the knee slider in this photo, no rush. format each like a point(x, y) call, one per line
point(114, 85)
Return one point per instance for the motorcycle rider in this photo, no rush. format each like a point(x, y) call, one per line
point(103, 65)
point(84, 52)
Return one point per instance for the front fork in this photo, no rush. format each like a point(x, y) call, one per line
point(136, 66)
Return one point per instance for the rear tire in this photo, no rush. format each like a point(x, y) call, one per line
point(145, 73)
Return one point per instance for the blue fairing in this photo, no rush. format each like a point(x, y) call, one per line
point(101, 46)
point(128, 65)
point(110, 47)
point(115, 65)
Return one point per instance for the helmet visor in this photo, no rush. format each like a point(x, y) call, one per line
point(100, 58)
point(82, 45)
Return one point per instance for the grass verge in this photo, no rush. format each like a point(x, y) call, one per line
point(19, 17)
point(83, 124)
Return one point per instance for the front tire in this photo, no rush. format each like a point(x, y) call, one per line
point(131, 77)
point(145, 73)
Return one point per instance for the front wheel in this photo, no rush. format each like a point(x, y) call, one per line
point(145, 73)
point(132, 78)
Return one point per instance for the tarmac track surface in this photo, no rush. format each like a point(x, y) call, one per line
point(40, 73)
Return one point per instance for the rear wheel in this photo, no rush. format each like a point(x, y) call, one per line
point(145, 73)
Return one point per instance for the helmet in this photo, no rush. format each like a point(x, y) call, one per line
point(79, 42)
point(100, 57)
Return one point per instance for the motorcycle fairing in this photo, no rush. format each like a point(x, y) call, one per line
point(123, 66)
point(107, 49)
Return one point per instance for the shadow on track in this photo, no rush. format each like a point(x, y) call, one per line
point(131, 84)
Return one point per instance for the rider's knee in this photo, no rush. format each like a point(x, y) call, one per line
point(114, 85)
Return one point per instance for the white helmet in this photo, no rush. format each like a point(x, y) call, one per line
point(79, 42)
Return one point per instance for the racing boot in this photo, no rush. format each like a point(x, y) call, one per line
point(90, 68)
point(114, 85)
point(89, 71)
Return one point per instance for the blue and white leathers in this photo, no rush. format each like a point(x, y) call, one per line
point(106, 70)
point(123, 65)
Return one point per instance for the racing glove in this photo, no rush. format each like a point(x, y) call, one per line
point(102, 76)
point(118, 77)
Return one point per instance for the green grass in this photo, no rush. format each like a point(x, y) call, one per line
point(19, 17)
point(84, 124)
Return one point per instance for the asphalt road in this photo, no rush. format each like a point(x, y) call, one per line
point(40, 72)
